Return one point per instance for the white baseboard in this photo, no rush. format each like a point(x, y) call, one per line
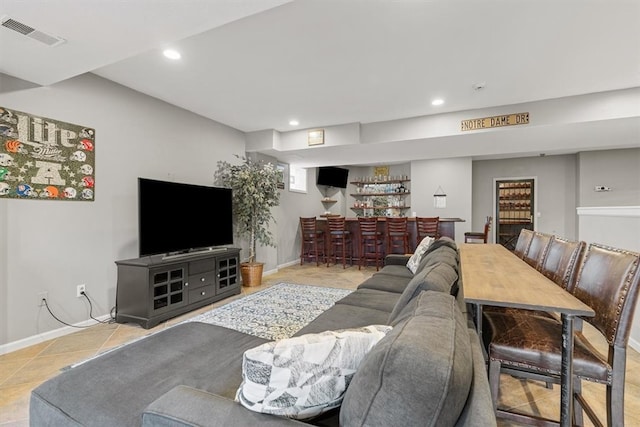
point(287, 264)
point(634, 344)
point(290, 263)
point(49, 335)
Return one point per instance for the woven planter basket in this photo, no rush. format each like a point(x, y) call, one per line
point(251, 273)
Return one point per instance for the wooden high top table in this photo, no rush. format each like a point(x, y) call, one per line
point(492, 275)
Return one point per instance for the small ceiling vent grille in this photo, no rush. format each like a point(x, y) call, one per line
point(31, 32)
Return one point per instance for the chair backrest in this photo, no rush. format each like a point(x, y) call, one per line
point(524, 240)
point(427, 226)
point(397, 225)
point(368, 225)
point(308, 225)
point(336, 224)
point(537, 249)
point(607, 281)
point(487, 228)
point(561, 261)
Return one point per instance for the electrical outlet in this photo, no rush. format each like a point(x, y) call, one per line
point(42, 295)
point(79, 290)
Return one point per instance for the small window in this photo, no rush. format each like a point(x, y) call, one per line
point(297, 179)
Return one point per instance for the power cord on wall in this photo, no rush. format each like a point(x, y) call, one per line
point(111, 320)
point(46, 304)
point(83, 293)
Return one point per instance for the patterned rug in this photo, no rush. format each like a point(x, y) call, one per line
point(276, 312)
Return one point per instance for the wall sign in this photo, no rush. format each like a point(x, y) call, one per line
point(495, 121)
point(42, 158)
point(316, 137)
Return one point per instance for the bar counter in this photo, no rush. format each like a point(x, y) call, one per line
point(446, 227)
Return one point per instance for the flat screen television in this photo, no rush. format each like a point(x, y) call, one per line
point(332, 176)
point(176, 218)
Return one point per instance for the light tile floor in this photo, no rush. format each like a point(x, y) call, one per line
point(25, 369)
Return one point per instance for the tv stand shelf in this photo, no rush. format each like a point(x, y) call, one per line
point(153, 289)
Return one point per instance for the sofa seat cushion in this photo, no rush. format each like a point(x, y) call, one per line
point(387, 282)
point(304, 376)
point(395, 270)
point(115, 388)
point(420, 373)
point(438, 277)
point(371, 298)
point(344, 316)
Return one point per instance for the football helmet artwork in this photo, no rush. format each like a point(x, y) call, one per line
point(79, 156)
point(45, 159)
point(6, 160)
point(88, 182)
point(24, 190)
point(87, 194)
point(86, 144)
point(70, 193)
point(50, 191)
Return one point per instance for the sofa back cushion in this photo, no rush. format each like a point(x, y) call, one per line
point(422, 247)
point(420, 373)
point(439, 277)
point(442, 254)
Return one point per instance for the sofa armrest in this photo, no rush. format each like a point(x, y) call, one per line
point(187, 406)
point(478, 410)
point(396, 259)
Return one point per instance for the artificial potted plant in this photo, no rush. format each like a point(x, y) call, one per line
point(255, 192)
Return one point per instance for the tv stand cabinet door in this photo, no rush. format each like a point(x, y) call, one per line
point(144, 295)
point(227, 277)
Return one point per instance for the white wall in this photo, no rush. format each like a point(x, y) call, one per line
point(294, 205)
point(54, 245)
point(555, 190)
point(616, 222)
point(455, 178)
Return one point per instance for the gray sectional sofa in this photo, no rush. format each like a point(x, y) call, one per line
point(428, 370)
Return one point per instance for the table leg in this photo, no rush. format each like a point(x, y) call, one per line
point(479, 320)
point(566, 374)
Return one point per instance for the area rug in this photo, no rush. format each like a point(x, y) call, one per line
point(276, 312)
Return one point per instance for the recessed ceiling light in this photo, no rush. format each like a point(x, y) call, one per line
point(437, 101)
point(294, 123)
point(172, 54)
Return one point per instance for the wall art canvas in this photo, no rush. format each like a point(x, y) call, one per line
point(45, 159)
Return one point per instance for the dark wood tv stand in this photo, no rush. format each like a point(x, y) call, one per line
point(153, 289)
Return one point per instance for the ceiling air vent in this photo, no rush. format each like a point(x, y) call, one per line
point(31, 32)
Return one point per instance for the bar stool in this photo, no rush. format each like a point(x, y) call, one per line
point(397, 235)
point(312, 240)
point(340, 242)
point(370, 241)
point(427, 226)
point(479, 236)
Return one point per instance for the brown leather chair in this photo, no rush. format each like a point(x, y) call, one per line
point(524, 240)
point(479, 236)
point(340, 242)
point(607, 280)
point(397, 235)
point(370, 242)
point(537, 249)
point(427, 226)
point(560, 265)
point(312, 240)
point(561, 261)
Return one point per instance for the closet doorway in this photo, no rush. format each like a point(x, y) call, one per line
point(515, 207)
